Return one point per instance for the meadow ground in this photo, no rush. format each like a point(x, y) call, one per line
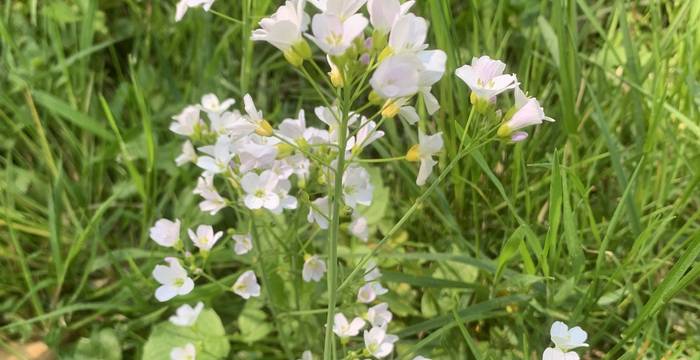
point(594, 220)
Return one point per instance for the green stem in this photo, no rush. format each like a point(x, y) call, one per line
point(332, 275)
point(409, 213)
point(396, 158)
point(224, 16)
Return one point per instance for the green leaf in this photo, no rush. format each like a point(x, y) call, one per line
point(102, 345)
point(253, 323)
point(207, 335)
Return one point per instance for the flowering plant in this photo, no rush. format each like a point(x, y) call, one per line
point(301, 188)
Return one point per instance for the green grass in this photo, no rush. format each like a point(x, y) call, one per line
point(595, 220)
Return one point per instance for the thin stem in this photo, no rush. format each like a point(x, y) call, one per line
point(332, 275)
point(396, 158)
point(409, 213)
point(224, 16)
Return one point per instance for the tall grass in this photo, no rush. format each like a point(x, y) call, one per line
point(594, 220)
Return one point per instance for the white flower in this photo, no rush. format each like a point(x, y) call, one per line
point(256, 152)
point(173, 279)
point(218, 156)
point(369, 292)
point(433, 69)
point(284, 28)
point(379, 315)
point(567, 339)
point(372, 271)
point(294, 129)
point(340, 8)
point(379, 343)
point(247, 285)
point(187, 155)
point(419, 357)
point(255, 117)
point(485, 77)
point(260, 190)
point(343, 328)
point(319, 212)
point(366, 135)
point(301, 166)
point(205, 238)
point(408, 34)
point(359, 227)
point(314, 268)
point(428, 145)
point(186, 352)
point(187, 121)
point(184, 5)
point(306, 355)
point(186, 315)
point(165, 232)
point(243, 244)
point(357, 188)
point(286, 201)
point(383, 13)
point(398, 76)
point(213, 202)
point(333, 34)
point(528, 112)
point(211, 104)
point(557, 354)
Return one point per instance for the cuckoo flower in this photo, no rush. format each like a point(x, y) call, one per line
point(217, 156)
point(528, 112)
point(187, 122)
point(335, 35)
point(247, 285)
point(558, 354)
point(173, 279)
point(343, 328)
point(211, 105)
point(340, 8)
point(165, 232)
point(383, 13)
point(485, 78)
point(428, 145)
point(187, 315)
point(284, 29)
point(186, 352)
point(567, 339)
point(188, 154)
point(314, 268)
point(379, 315)
point(260, 190)
point(204, 238)
point(184, 5)
point(408, 34)
point(357, 188)
point(378, 343)
point(242, 244)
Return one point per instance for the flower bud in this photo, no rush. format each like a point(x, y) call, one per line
point(386, 53)
point(264, 128)
point(482, 105)
point(504, 131)
point(336, 77)
point(413, 153)
point(302, 49)
point(375, 98)
point(293, 58)
point(284, 150)
point(391, 109)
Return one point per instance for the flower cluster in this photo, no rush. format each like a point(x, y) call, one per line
point(379, 68)
point(486, 80)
